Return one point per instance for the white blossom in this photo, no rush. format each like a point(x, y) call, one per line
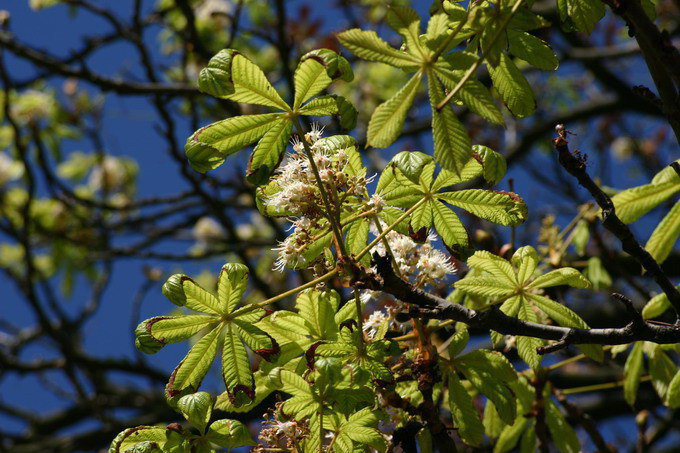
point(373, 323)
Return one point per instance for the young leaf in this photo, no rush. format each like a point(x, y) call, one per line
point(562, 433)
point(406, 22)
point(388, 119)
point(526, 346)
point(633, 203)
point(192, 369)
point(268, 152)
point(197, 408)
point(632, 372)
point(448, 225)
point(367, 44)
point(563, 276)
point(251, 86)
point(208, 147)
point(513, 87)
point(503, 208)
point(464, 415)
point(533, 50)
point(665, 235)
point(452, 146)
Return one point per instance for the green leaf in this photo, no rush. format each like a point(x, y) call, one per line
point(503, 208)
point(422, 217)
point(513, 88)
point(310, 80)
point(510, 435)
point(251, 86)
point(127, 439)
point(406, 22)
point(267, 154)
point(495, 265)
point(533, 50)
point(197, 408)
point(673, 395)
point(465, 417)
point(335, 105)
point(458, 341)
point(493, 425)
point(661, 369)
point(448, 225)
point(318, 308)
point(657, 305)
point(238, 378)
point(563, 435)
point(215, 78)
point(632, 372)
point(566, 318)
point(192, 369)
point(584, 13)
point(257, 340)
point(581, 237)
point(357, 236)
point(633, 203)
point(526, 346)
point(485, 287)
point(411, 164)
point(230, 434)
point(494, 164)
point(526, 260)
point(209, 146)
point(388, 119)
point(445, 178)
point(172, 329)
point(666, 175)
point(597, 274)
point(665, 235)
point(231, 284)
point(198, 299)
point(367, 45)
point(452, 147)
point(563, 276)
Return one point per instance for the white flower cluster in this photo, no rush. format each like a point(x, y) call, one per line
point(423, 261)
point(298, 192)
point(373, 323)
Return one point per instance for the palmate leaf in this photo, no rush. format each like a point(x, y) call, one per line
point(231, 75)
point(473, 94)
point(526, 346)
point(410, 177)
point(657, 305)
point(229, 327)
point(533, 50)
point(563, 435)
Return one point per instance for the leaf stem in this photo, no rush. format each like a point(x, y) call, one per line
point(478, 62)
point(290, 292)
point(449, 38)
point(593, 388)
